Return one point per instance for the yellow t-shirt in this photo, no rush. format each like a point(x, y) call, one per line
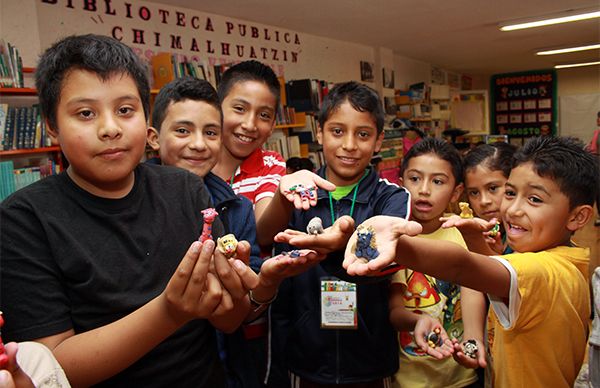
point(441, 300)
point(540, 336)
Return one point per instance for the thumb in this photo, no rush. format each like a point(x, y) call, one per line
point(324, 183)
point(345, 224)
point(402, 226)
point(6, 380)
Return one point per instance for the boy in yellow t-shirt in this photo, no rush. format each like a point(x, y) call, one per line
point(539, 294)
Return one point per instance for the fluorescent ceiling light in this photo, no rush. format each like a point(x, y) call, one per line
point(569, 49)
point(555, 20)
point(577, 65)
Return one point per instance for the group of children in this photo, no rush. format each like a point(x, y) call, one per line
point(102, 263)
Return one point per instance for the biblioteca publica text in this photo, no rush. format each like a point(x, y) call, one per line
point(184, 20)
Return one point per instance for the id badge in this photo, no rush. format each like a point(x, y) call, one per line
point(338, 305)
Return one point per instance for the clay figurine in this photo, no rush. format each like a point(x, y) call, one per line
point(366, 246)
point(304, 192)
point(495, 230)
point(434, 339)
point(209, 216)
point(315, 226)
point(469, 348)
point(227, 244)
point(465, 210)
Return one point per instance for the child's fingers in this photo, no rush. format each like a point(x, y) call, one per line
point(225, 305)
point(197, 280)
point(178, 282)
point(18, 378)
point(248, 277)
point(243, 251)
point(211, 297)
point(228, 276)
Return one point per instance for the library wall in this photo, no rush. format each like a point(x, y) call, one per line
point(150, 28)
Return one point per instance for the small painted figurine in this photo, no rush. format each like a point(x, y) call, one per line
point(209, 216)
point(294, 254)
point(465, 210)
point(3, 356)
point(366, 245)
point(495, 230)
point(304, 192)
point(315, 226)
point(470, 348)
point(227, 244)
point(434, 339)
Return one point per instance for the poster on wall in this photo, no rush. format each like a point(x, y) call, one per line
point(524, 104)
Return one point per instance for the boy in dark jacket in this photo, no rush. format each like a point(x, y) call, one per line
point(361, 347)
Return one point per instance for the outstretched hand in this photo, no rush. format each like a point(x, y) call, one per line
point(300, 188)
point(425, 325)
point(475, 230)
point(332, 239)
point(387, 230)
point(275, 269)
point(466, 361)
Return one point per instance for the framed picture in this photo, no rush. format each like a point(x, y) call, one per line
point(388, 78)
point(366, 71)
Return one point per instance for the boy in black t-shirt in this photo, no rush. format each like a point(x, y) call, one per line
point(101, 263)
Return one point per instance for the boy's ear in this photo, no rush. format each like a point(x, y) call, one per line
point(53, 133)
point(579, 216)
point(379, 141)
point(319, 134)
point(457, 192)
point(152, 138)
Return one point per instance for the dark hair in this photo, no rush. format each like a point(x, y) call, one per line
point(185, 88)
point(295, 163)
point(249, 71)
point(99, 54)
point(360, 96)
point(442, 150)
point(566, 161)
point(496, 156)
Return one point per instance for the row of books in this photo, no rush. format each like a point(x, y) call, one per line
point(13, 179)
point(167, 67)
point(285, 115)
point(21, 127)
point(306, 95)
point(11, 66)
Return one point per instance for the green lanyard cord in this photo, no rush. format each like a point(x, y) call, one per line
point(353, 198)
point(232, 176)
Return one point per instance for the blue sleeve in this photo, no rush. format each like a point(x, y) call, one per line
point(394, 201)
point(247, 231)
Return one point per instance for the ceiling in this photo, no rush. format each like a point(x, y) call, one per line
point(457, 35)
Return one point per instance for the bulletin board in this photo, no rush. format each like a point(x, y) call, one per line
point(524, 104)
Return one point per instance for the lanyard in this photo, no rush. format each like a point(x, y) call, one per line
point(231, 181)
point(353, 198)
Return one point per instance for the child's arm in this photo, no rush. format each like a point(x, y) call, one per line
point(332, 239)
point(93, 356)
point(474, 231)
point(276, 269)
point(403, 319)
point(297, 190)
point(441, 259)
point(474, 314)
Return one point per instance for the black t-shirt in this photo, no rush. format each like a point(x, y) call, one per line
point(71, 260)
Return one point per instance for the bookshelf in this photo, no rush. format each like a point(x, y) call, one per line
point(427, 107)
point(26, 154)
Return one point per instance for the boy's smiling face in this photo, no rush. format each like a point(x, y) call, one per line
point(349, 139)
point(535, 212)
point(189, 137)
point(248, 117)
point(101, 130)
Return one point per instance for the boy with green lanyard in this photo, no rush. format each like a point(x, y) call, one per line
point(365, 350)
